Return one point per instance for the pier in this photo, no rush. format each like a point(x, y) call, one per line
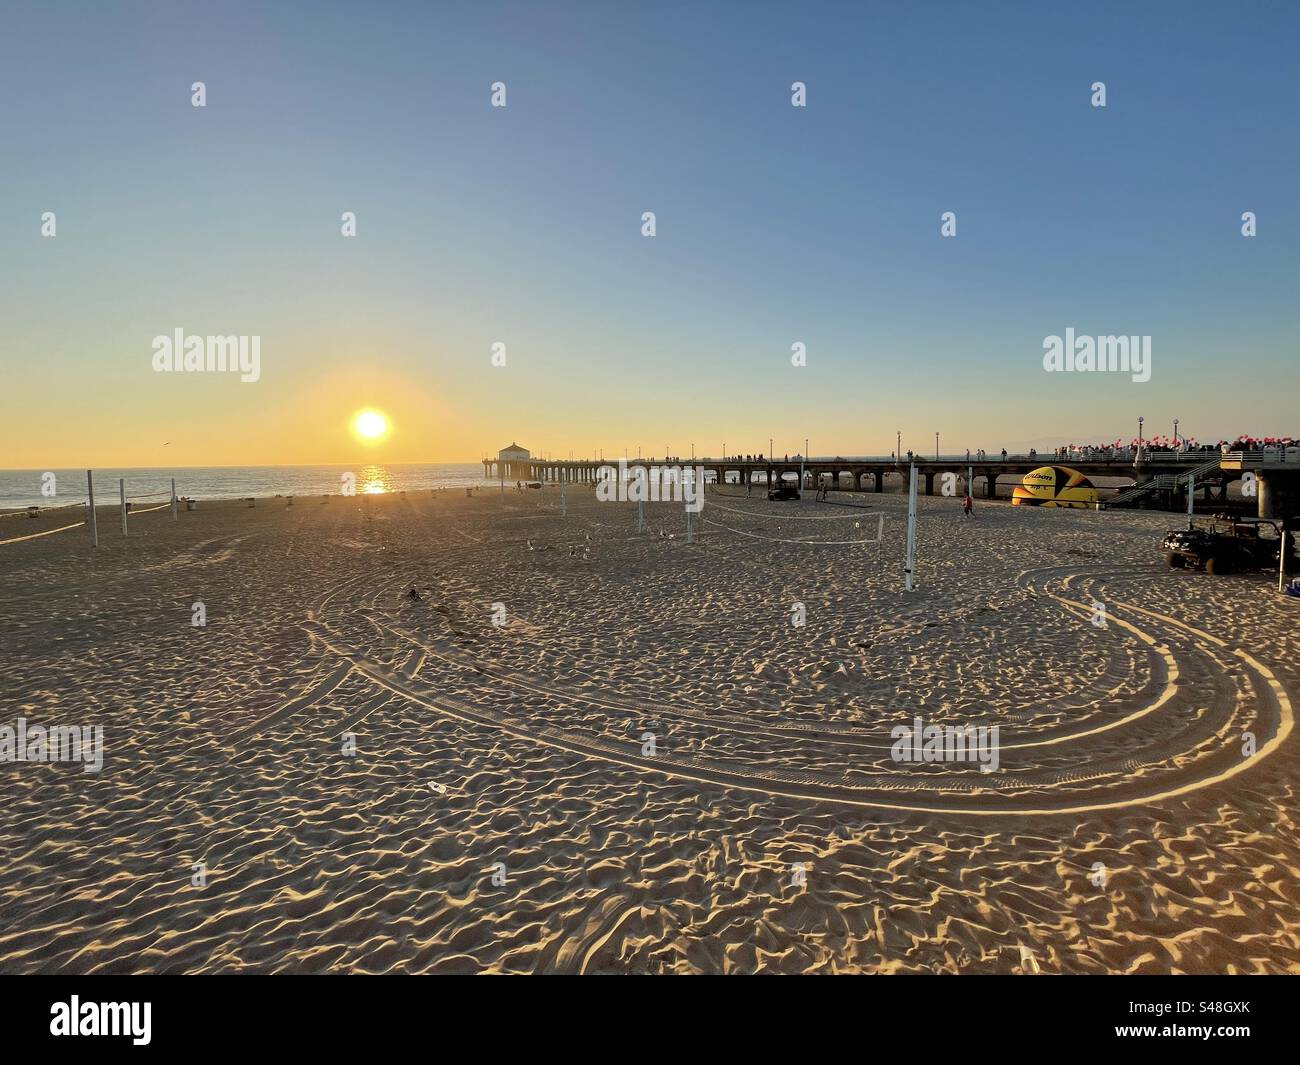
point(1161, 478)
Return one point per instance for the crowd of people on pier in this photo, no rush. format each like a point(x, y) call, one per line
point(1170, 445)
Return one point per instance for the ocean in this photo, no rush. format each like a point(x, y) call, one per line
point(25, 488)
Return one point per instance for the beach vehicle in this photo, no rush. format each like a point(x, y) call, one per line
point(783, 490)
point(1225, 545)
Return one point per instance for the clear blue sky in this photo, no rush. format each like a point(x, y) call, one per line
point(775, 224)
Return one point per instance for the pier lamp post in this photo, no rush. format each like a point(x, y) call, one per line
point(692, 452)
point(898, 447)
point(1140, 421)
point(936, 447)
point(1175, 434)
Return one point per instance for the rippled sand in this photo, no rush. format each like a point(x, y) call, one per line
point(504, 812)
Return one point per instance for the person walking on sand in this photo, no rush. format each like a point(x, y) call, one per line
point(968, 506)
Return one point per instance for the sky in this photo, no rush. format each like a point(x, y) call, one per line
point(522, 225)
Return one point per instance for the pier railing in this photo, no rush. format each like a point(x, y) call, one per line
point(1268, 456)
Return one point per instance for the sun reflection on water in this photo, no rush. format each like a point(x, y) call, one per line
point(375, 481)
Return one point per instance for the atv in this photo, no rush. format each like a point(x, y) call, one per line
point(783, 490)
point(1225, 546)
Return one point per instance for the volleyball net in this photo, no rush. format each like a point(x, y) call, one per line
point(127, 503)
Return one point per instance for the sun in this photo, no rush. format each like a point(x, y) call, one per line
point(370, 425)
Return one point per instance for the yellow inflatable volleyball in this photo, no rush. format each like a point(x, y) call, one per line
point(1054, 486)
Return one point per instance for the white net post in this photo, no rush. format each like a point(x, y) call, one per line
point(1281, 557)
point(911, 531)
point(90, 492)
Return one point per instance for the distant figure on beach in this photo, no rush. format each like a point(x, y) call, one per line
point(414, 595)
point(1004, 454)
point(968, 506)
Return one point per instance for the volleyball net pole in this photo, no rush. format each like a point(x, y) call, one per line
point(121, 487)
point(1281, 558)
point(90, 492)
point(911, 531)
point(174, 499)
point(801, 462)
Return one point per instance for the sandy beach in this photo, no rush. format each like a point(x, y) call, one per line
point(589, 749)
